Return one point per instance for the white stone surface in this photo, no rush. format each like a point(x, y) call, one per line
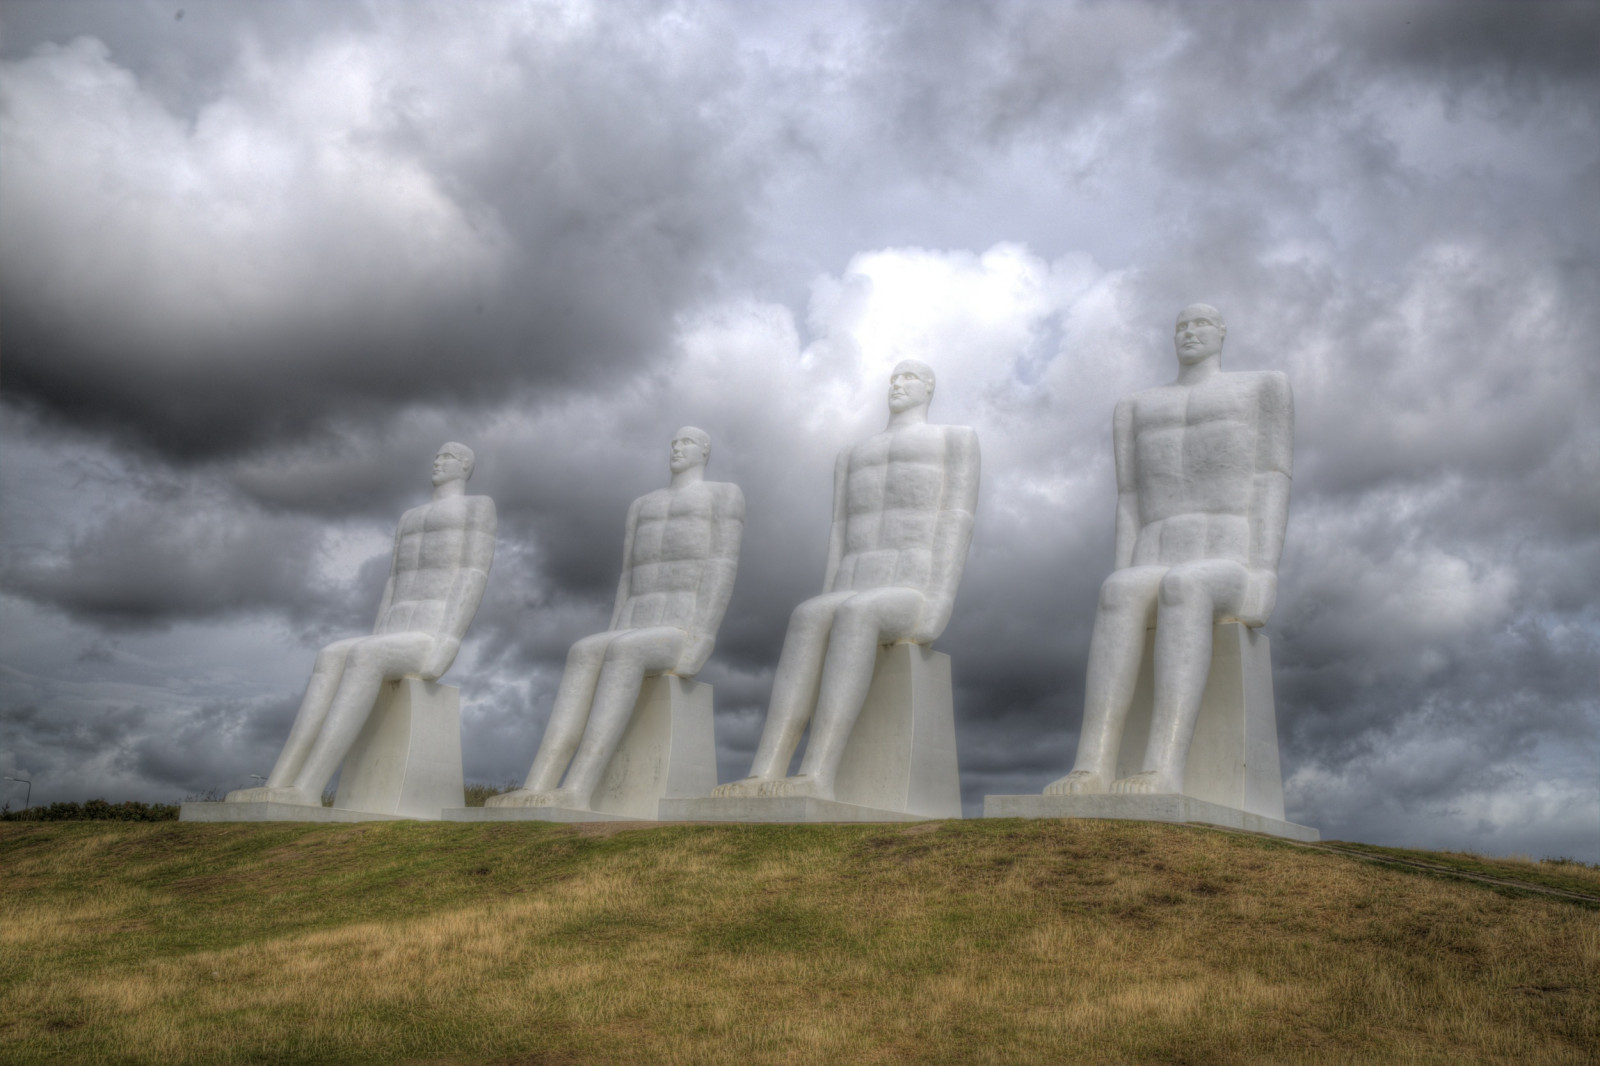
point(668, 751)
point(903, 505)
point(1233, 758)
point(530, 814)
point(1149, 808)
point(1203, 467)
point(407, 758)
point(679, 558)
point(237, 811)
point(776, 809)
point(900, 762)
point(902, 753)
point(440, 567)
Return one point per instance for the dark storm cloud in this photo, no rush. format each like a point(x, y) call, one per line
point(529, 210)
point(288, 254)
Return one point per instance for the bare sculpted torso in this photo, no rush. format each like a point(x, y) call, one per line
point(672, 546)
point(432, 544)
point(894, 489)
point(1196, 453)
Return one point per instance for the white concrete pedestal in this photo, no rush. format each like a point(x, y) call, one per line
point(276, 812)
point(1233, 758)
point(407, 758)
point(1167, 807)
point(405, 763)
point(668, 751)
point(899, 765)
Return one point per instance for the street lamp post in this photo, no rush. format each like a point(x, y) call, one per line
point(27, 797)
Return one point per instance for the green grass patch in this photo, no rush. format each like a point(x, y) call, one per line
point(977, 941)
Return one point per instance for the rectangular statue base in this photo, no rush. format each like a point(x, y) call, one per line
point(1168, 807)
point(531, 814)
point(902, 751)
point(407, 758)
point(276, 812)
point(668, 750)
point(1233, 754)
point(776, 809)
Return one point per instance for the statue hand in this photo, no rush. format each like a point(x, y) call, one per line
point(1260, 596)
point(930, 622)
point(439, 659)
point(696, 650)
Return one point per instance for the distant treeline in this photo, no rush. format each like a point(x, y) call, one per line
point(95, 810)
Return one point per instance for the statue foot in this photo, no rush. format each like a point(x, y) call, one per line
point(1077, 783)
point(799, 785)
point(1149, 782)
point(749, 786)
point(527, 797)
point(281, 794)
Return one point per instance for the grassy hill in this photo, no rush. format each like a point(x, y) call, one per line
point(975, 941)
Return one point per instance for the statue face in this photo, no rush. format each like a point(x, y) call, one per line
point(907, 389)
point(448, 466)
point(1198, 335)
point(689, 450)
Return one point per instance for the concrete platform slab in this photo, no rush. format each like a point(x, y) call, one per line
point(776, 809)
point(1170, 807)
point(277, 812)
point(531, 814)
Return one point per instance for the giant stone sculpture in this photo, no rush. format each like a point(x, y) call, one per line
point(634, 681)
point(372, 698)
point(855, 665)
point(1203, 468)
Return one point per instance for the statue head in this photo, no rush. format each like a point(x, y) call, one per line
point(453, 463)
point(1198, 334)
point(910, 385)
point(691, 447)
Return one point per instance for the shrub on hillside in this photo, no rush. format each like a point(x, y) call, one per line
point(95, 810)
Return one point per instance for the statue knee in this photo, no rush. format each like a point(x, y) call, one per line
point(812, 614)
point(333, 655)
point(854, 615)
point(627, 650)
point(1179, 589)
point(363, 658)
point(1127, 590)
point(588, 652)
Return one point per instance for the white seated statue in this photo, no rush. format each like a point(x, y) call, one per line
point(903, 504)
point(440, 567)
point(679, 557)
point(1203, 468)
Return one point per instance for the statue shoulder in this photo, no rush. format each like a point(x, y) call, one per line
point(960, 440)
point(1131, 403)
point(1271, 387)
point(480, 511)
point(1270, 380)
point(726, 492)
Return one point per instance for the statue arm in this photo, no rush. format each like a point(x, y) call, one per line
point(466, 587)
point(1127, 483)
point(841, 518)
point(625, 582)
point(952, 532)
point(1269, 499)
point(716, 579)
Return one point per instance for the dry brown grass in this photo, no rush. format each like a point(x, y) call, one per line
point(990, 941)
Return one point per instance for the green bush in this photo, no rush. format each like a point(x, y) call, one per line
point(95, 810)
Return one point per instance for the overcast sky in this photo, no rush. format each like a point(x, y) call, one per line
point(260, 260)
